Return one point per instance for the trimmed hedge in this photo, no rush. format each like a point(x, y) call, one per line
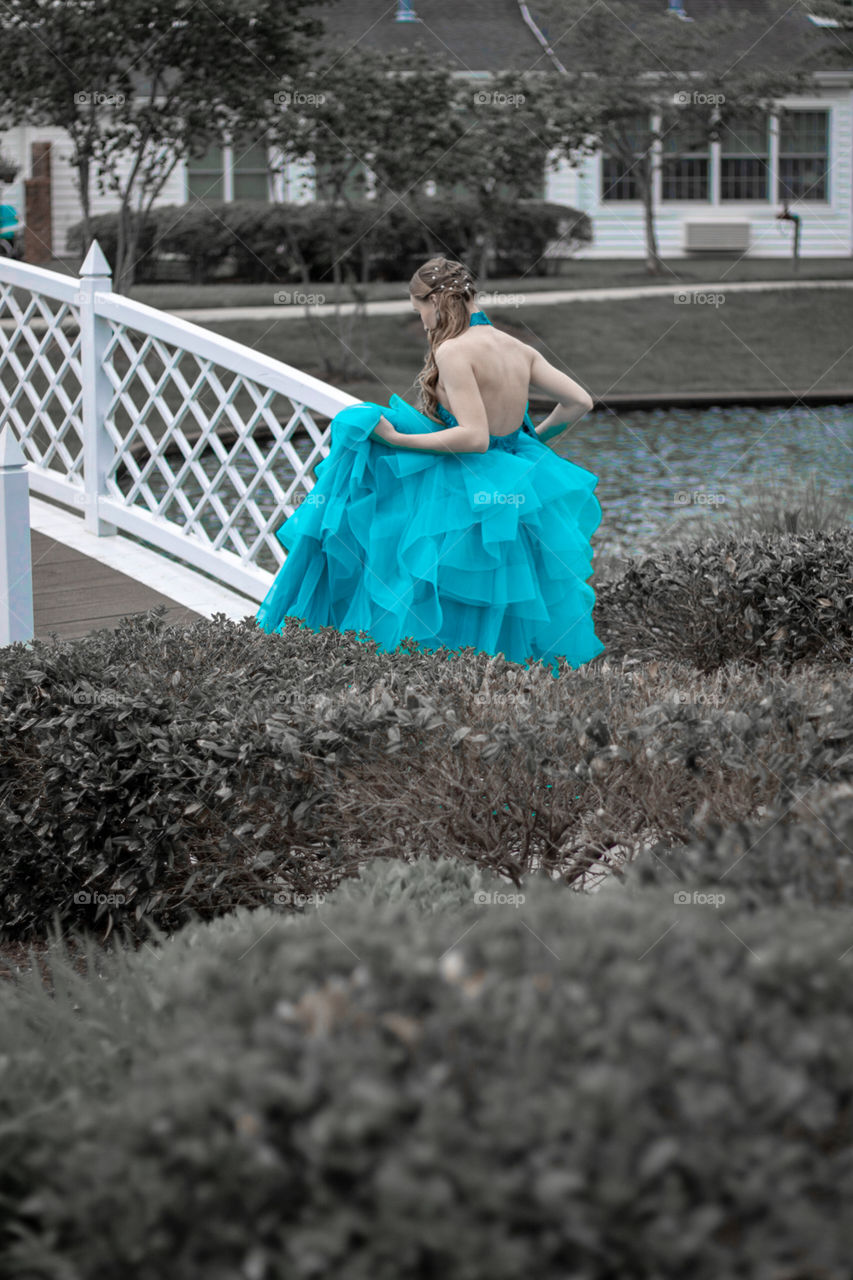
point(266, 240)
point(800, 853)
point(753, 597)
point(564, 1086)
point(155, 774)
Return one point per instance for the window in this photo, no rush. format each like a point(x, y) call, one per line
point(745, 160)
point(250, 170)
point(803, 155)
point(617, 182)
point(204, 176)
point(684, 165)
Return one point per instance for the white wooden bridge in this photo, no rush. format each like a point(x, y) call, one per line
point(143, 459)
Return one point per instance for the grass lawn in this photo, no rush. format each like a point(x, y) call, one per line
point(579, 274)
point(752, 342)
point(590, 274)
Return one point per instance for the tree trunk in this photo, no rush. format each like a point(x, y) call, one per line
point(654, 266)
point(361, 315)
point(128, 237)
point(339, 362)
point(481, 268)
point(83, 172)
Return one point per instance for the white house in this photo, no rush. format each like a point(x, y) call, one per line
point(727, 195)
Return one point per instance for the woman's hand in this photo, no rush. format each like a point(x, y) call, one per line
point(557, 427)
point(384, 431)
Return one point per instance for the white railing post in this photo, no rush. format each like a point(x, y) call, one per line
point(16, 570)
point(98, 451)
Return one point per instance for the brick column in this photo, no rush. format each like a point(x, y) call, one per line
point(38, 239)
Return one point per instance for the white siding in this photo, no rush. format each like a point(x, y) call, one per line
point(826, 228)
point(561, 185)
point(66, 209)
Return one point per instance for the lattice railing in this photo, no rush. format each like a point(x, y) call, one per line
point(40, 371)
point(155, 426)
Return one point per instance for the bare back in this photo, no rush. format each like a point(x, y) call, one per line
point(501, 366)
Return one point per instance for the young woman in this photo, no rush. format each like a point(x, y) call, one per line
point(455, 524)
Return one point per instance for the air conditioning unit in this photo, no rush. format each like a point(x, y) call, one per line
point(724, 237)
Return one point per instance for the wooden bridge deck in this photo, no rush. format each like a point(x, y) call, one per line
point(74, 595)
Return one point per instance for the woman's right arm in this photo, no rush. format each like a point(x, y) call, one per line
point(573, 401)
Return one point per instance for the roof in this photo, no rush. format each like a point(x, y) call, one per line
point(764, 39)
point(465, 35)
point(491, 35)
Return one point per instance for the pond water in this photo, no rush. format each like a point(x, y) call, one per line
point(662, 468)
point(657, 469)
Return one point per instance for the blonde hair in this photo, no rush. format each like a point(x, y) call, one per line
point(451, 284)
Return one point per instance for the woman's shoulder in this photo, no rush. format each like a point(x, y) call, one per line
point(478, 334)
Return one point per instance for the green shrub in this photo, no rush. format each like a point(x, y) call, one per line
point(103, 227)
point(799, 853)
point(171, 773)
point(564, 1086)
point(525, 230)
point(752, 598)
point(200, 232)
point(272, 242)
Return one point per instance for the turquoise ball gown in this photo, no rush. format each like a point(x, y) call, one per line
point(490, 550)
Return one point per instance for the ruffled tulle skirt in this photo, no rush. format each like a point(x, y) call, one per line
point(490, 550)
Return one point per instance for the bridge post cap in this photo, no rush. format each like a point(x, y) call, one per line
point(11, 454)
point(95, 264)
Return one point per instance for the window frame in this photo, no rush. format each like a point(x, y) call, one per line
point(766, 159)
point(716, 155)
point(627, 175)
point(224, 176)
point(678, 157)
point(788, 197)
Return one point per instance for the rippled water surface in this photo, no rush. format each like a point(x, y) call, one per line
point(664, 466)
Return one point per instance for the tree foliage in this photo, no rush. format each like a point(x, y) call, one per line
point(140, 84)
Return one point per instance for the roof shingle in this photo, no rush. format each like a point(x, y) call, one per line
point(491, 35)
point(466, 35)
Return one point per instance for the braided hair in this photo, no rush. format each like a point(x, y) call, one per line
point(451, 285)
